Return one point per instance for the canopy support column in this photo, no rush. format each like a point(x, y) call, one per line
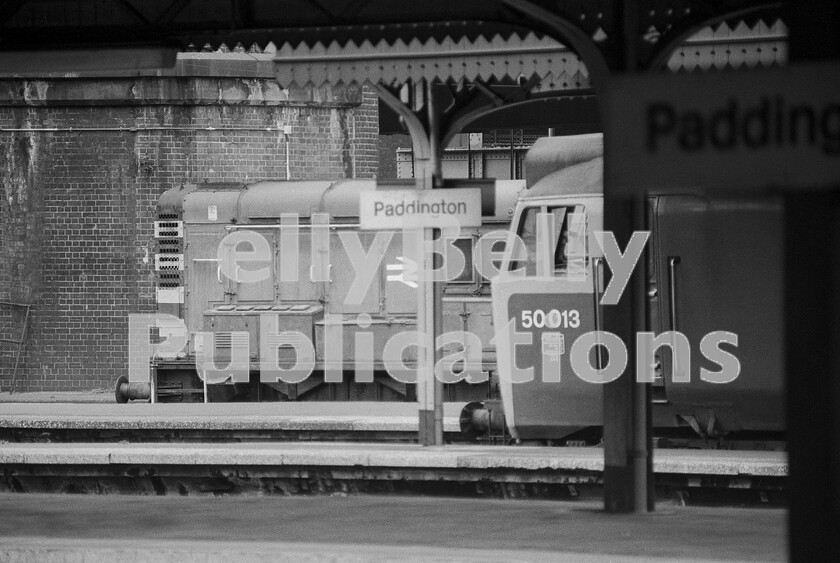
point(628, 441)
point(433, 289)
point(427, 173)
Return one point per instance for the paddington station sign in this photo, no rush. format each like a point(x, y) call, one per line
point(761, 129)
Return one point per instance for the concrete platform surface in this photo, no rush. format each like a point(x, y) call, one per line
point(94, 396)
point(183, 529)
point(339, 416)
point(332, 454)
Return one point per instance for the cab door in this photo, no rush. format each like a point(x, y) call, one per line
point(718, 267)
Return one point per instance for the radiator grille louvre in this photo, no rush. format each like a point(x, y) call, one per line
point(169, 257)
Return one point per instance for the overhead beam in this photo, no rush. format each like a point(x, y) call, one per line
point(171, 12)
point(132, 9)
point(8, 9)
point(331, 19)
point(352, 10)
point(570, 113)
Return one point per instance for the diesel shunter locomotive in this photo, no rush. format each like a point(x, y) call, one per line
point(304, 288)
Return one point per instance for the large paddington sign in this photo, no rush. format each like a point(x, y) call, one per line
point(754, 129)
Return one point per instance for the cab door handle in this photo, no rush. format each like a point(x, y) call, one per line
point(597, 264)
point(672, 290)
point(676, 365)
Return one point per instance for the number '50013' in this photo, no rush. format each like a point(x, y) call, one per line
point(551, 319)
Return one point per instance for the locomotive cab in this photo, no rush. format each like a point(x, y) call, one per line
point(544, 295)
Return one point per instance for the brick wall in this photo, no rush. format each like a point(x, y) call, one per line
point(77, 207)
point(388, 145)
point(366, 134)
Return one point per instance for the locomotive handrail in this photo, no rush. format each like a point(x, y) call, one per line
point(672, 310)
point(299, 226)
point(672, 289)
point(597, 262)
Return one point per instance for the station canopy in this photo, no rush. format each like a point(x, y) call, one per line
point(494, 53)
point(546, 63)
point(597, 26)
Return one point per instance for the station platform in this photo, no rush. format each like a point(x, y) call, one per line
point(335, 421)
point(362, 468)
point(314, 454)
point(325, 448)
point(92, 396)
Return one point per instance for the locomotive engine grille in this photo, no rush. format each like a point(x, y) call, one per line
point(169, 258)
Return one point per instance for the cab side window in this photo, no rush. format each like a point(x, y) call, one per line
point(527, 231)
point(570, 254)
point(570, 243)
